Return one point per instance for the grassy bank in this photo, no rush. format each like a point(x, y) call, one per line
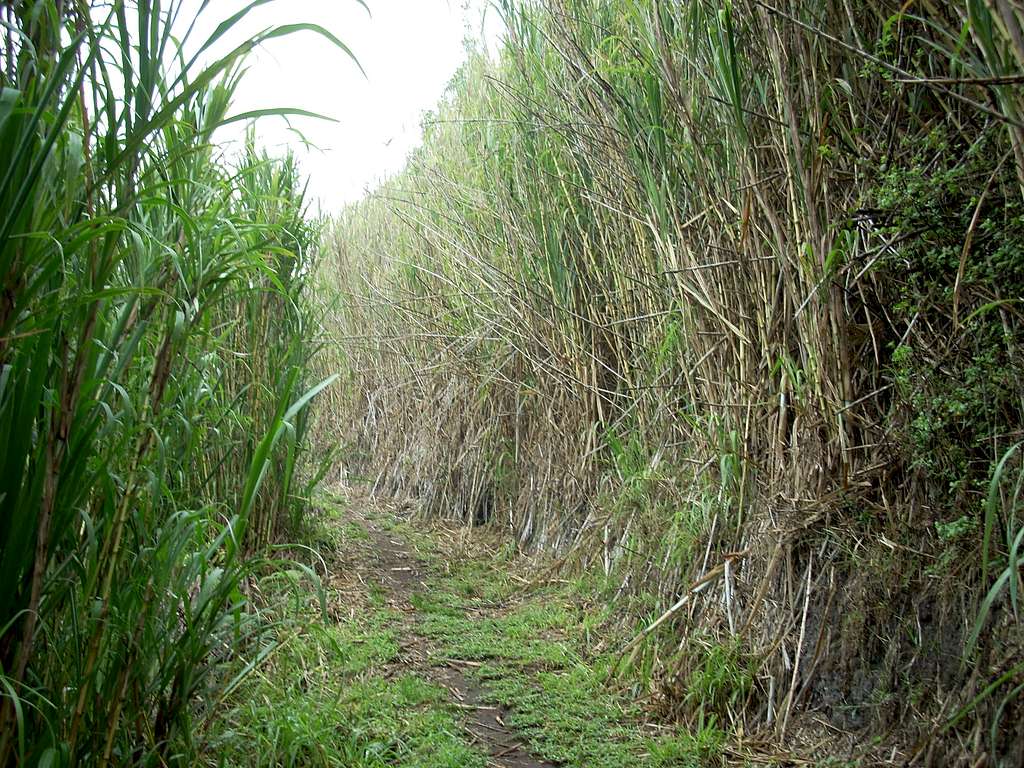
point(155, 338)
point(721, 302)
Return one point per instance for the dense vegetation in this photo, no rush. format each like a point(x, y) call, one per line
point(722, 300)
point(716, 303)
point(155, 340)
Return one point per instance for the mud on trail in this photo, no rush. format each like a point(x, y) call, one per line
point(391, 563)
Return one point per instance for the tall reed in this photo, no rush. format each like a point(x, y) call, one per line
point(154, 347)
point(722, 300)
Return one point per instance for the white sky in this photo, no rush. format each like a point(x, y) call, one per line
point(409, 48)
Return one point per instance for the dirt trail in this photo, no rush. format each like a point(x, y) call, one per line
point(393, 566)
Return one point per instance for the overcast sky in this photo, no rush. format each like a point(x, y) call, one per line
point(409, 48)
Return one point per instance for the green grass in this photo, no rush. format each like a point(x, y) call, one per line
point(323, 700)
point(535, 660)
point(336, 695)
point(567, 714)
point(517, 638)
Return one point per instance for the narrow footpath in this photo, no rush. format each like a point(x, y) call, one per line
point(432, 646)
point(402, 576)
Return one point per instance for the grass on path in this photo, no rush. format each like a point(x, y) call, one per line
point(327, 696)
point(337, 694)
point(534, 654)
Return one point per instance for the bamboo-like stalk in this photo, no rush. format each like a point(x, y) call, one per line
point(638, 297)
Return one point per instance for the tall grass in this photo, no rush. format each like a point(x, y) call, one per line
point(723, 300)
point(154, 349)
